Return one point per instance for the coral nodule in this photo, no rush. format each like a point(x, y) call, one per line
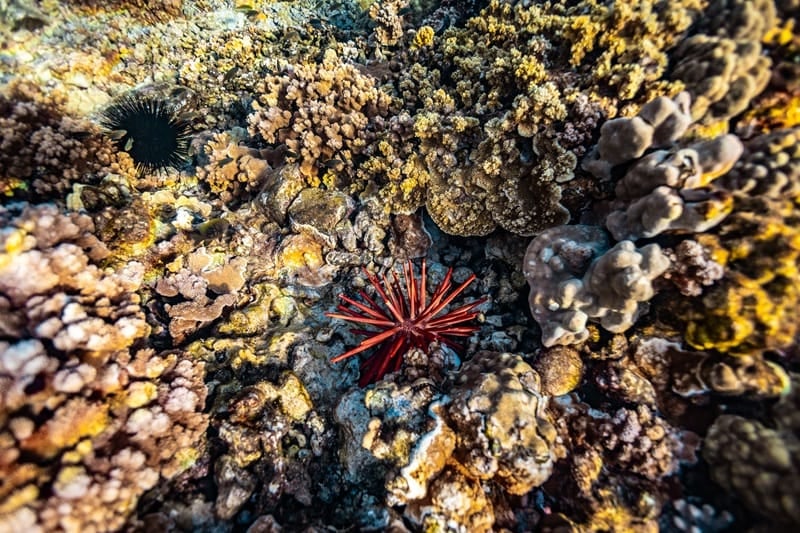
point(409, 320)
point(153, 133)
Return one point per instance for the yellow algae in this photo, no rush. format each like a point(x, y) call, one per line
point(140, 393)
point(423, 37)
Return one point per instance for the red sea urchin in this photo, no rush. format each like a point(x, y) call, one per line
point(408, 320)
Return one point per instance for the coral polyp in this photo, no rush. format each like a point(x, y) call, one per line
point(149, 128)
point(406, 319)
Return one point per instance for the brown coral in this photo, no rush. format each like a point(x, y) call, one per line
point(234, 170)
point(324, 113)
point(496, 429)
point(759, 463)
point(82, 411)
point(48, 150)
point(721, 74)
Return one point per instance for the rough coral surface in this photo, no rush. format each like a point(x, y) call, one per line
point(721, 74)
point(491, 413)
point(493, 427)
point(322, 112)
point(666, 190)
point(44, 150)
point(233, 170)
point(759, 462)
point(749, 310)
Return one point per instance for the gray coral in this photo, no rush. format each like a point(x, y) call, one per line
point(574, 278)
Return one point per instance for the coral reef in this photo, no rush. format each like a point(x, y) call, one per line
point(604, 447)
point(751, 308)
point(166, 334)
point(265, 430)
point(663, 190)
point(758, 462)
point(721, 74)
point(748, 311)
point(138, 8)
point(202, 276)
point(83, 411)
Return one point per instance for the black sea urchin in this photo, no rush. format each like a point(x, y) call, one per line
point(150, 130)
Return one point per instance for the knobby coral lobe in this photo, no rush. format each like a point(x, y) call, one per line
point(406, 319)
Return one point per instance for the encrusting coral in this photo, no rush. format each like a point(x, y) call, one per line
point(266, 433)
point(493, 427)
point(201, 277)
point(751, 308)
point(603, 449)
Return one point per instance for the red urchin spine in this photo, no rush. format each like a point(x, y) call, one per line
point(406, 320)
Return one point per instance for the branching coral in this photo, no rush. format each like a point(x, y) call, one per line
point(83, 412)
point(498, 135)
point(574, 276)
point(44, 150)
point(324, 113)
point(666, 190)
point(233, 171)
point(721, 74)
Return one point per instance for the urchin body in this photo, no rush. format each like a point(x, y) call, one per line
point(149, 129)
